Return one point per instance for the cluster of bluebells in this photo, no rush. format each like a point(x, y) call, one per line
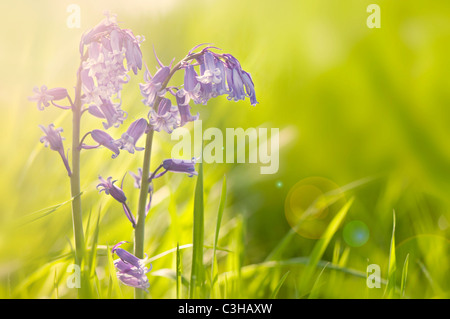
point(108, 53)
point(206, 75)
point(104, 49)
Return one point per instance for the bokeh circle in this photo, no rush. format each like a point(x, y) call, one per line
point(356, 233)
point(311, 204)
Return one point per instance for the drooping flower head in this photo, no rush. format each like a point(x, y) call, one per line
point(180, 166)
point(176, 166)
point(210, 73)
point(127, 141)
point(239, 82)
point(207, 75)
point(184, 108)
point(130, 270)
point(219, 74)
point(109, 111)
point(104, 139)
point(153, 85)
point(43, 96)
point(108, 49)
point(132, 135)
point(167, 117)
point(53, 139)
point(192, 86)
point(109, 188)
point(117, 193)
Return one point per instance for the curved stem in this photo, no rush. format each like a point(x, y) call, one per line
point(70, 100)
point(61, 106)
point(154, 173)
point(84, 110)
point(82, 140)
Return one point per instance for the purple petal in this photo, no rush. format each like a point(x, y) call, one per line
point(180, 166)
point(106, 140)
point(127, 257)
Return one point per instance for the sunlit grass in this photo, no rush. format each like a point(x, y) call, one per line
point(365, 109)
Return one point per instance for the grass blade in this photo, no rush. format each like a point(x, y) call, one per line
point(434, 285)
point(235, 259)
point(32, 217)
point(55, 285)
point(93, 252)
point(315, 289)
point(390, 288)
point(197, 271)
point(321, 245)
point(223, 197)
point(167, 252)
point(404, 275)
point(170, 274)
point(179, 272)
point(277, 288)
point(323, 201)
point(249, 271)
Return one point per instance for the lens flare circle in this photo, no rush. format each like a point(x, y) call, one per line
point(311, 204)
point(356, 233)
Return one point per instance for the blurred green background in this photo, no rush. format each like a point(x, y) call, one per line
point(353, 104)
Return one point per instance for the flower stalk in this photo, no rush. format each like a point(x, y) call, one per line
point(139, 231)
point(77, 220)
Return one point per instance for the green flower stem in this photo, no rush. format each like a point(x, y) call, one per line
point(139, 231)
point(77, 218)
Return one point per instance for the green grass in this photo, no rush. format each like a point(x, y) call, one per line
point(366, 110)
point(392, 269)
point(197, 269)
point(216, 237)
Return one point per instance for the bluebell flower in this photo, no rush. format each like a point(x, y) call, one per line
point(104, 139)
point(153, 85)
point(192, 86)
point(103, 73)
point(249, 87)
point(239, 82)
point(132, 135)
point(209, 71)
point(53, 139)
point(43, 96)
point(176, 166)
point(110, 111)
point(183, 108)
point(220, 87)
point(117, 193)
point(219, 74)
point(130, 270)
point(167, 117)
point(180, 166)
